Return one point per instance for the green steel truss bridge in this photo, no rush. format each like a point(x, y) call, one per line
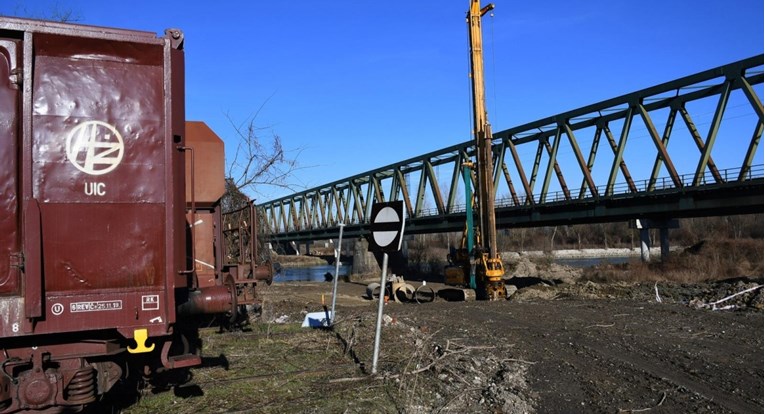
point(685, 148)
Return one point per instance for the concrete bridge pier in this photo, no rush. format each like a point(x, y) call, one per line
point(301, 248)
point(664, 240)
point(365, 262)
point(285, 248)
point(645, 225)
point(293, 248)
point(645, 244)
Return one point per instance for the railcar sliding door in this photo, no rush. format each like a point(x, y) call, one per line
point(99, 167)
point(10, 257)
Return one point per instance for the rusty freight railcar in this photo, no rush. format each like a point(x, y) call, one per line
point(94, 270)
point(226, 260)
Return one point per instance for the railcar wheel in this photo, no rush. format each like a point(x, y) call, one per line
point(234, 312)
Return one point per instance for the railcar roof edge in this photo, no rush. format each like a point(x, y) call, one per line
point(46, 26)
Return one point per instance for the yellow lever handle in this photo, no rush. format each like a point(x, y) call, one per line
point(140, 336)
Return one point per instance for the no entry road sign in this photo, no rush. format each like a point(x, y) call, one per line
point(387, 227)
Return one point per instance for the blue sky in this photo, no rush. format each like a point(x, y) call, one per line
point(361, 84)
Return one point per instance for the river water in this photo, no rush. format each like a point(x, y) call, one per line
point(584, 262)
point(318, 273)
point(309, 273)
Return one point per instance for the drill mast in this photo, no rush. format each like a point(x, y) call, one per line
point(482, 132)
point(477, 265)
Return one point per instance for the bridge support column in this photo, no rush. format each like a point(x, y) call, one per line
point(645, 225)
point(363, 260)
point(288, 248)
point(645, 245)
point(664, 238)
point(344, 247)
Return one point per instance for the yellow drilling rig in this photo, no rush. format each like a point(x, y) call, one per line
point(477, 264)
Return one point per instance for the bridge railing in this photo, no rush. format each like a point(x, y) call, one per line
point(729, 175)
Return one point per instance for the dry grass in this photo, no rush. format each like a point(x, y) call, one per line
point(298, 261)
point(265, 370)
point(280, 368)
point(706, 261)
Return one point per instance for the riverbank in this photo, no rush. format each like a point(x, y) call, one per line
point(304, 260)
point(585, 253)
point(297, 261)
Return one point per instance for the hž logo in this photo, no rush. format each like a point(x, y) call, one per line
point(95, 147)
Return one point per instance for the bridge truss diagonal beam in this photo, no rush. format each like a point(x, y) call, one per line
point(720, 105)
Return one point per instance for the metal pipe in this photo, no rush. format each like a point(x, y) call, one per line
point(208, 300)
point(254, 226)
point(337, 273)
point(378, 327)
point(193, 216)
point(264, 272)
point(240, 233)
point(469, 236)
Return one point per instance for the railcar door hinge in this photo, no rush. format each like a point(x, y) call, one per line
point(17, 260)
point(16, 78)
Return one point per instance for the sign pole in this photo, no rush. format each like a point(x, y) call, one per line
point(378, 327)
point(337, 273)
point(387, 226)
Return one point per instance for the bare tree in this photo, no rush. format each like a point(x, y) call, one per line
point(260, 160)
point(56, 13)
point(64, 15)
point(233, 199)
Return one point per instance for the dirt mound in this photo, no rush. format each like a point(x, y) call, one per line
point(544, 269)
point(731, 294)
point(741, 294)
